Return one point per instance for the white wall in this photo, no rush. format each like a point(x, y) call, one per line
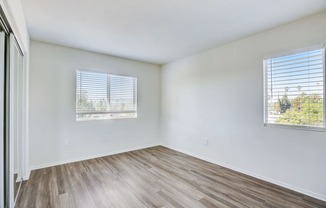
point(218, 95)
point(55, 135)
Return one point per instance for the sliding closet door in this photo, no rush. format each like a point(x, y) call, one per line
point(15, 119)
point(2, 91)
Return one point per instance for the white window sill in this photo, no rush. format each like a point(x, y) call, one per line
point(110, 116)
point(297, 127)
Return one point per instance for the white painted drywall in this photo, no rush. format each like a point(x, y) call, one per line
point(218, 95)
point(55, 135)
point(162, 30)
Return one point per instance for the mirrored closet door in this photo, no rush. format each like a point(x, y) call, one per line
point(15, 117)
point(12, 117)
point(16, 113)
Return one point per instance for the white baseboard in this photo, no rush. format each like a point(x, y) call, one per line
point(264, 178)
point(46, 165)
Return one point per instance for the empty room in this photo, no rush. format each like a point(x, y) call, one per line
point(162, 103)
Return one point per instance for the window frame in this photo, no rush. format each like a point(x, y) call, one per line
point(265, 107)
point(103, 71)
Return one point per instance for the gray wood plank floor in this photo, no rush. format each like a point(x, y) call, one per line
point(153, 177)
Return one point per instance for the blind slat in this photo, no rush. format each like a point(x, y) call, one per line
point(299, 78)
point(294, 64)
point(296, 70)
point(298, 83)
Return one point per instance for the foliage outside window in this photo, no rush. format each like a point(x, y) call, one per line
point(105, 96)
point(294, 89)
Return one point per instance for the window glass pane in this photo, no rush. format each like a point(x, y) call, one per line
point(122, 93)
point(91, 92)
point(105, 96)
point(295, 89)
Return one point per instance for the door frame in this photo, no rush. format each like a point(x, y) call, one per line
point(2, 117)
point(12, 117)
point(3, 126)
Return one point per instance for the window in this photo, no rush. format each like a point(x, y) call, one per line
point(105, 96)
point(294, 90)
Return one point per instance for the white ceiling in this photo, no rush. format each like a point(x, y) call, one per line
point(157, 31)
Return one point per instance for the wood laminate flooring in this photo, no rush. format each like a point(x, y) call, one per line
point(153, 177)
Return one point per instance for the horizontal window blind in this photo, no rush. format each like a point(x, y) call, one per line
point(294, 89)
point(122, 94)
point(101, 95)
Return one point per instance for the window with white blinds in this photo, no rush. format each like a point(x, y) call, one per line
point(105, 96)
point(294, 90)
